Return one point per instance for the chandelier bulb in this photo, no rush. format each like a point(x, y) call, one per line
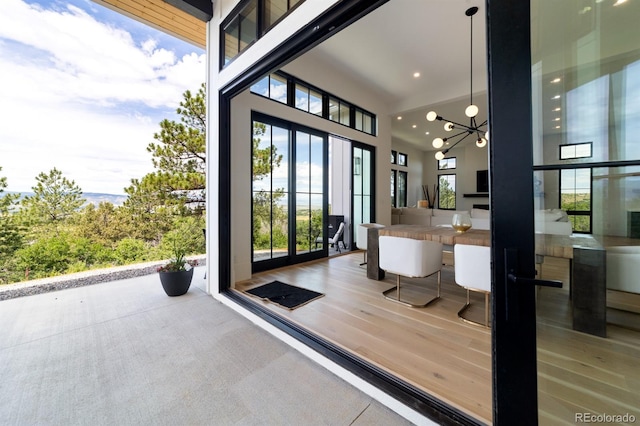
point(439, 155)
point(437, 143)
point(481, 142)
point(486, 135)
point(471, 111)
point(431, 116)
point(449, 126)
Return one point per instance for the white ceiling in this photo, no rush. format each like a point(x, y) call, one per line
point(432, 37)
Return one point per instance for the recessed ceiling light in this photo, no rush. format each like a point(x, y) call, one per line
point(557, 109)
point(556, 80)
point(556, 119)
point(416, 74)
point(557, 127)
point(619, 2)
point(426, 133)
point(414, 126)
point(556, 97)
point(399, 117)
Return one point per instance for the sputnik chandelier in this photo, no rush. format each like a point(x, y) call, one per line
point(471, 111)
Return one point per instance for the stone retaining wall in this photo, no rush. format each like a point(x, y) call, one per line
point(79, 279)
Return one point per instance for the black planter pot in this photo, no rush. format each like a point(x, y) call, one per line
point(176, 283)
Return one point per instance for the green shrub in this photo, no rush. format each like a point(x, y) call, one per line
point(130, 250)
point(187, 234)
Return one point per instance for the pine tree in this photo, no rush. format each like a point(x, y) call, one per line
point(55, 197)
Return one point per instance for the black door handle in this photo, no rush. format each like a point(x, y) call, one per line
point(510, 269)
point(533, 281)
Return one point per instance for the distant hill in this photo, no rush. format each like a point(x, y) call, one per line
point(91, 197)
point(97, 198)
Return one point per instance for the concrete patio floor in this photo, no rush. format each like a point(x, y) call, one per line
point(124, 353)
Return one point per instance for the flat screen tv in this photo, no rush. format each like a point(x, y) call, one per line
point(482, 181)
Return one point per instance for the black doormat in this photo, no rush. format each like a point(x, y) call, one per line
point(285, 295)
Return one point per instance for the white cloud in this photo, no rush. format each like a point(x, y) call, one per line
point(82, 95)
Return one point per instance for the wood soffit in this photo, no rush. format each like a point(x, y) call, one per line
point(162, 16)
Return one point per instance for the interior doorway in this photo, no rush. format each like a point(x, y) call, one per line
point(340, 196)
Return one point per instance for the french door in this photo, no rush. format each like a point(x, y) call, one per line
point(289, 193)
point(564, 90)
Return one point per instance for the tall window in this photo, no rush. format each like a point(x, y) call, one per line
point(363, 201)
point(270, 191)
point(398, 188)
point(309, 191)
point(447, 192)
point(575, 197)
point(393, 188)
point(402, 189)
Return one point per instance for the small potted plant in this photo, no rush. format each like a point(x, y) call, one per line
point(176, 275)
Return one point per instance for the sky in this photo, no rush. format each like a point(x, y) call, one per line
point(83, 89)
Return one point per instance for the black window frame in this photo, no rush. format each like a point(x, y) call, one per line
point(394, 183)
point(455, 161)
point(293, 82)
point(572, 213)
point(401, 197)
point(455, 191)
point(590, 144)
point(233, 16)
point(260, 27)
point(403, 159)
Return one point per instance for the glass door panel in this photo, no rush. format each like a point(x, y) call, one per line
point(309, 193)
point(270, 181)
point(402, 189)
point(289, 176)
point(585, 74)
point(363, 189)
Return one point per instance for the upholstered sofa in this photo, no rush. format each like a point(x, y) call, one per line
point(552, 221)
point(437, 217)
point(623, 268)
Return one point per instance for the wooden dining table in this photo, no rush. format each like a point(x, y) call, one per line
point(586, 255)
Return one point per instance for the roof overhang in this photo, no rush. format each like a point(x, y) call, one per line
point(184, 19)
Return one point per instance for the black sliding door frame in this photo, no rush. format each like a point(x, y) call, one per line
point(512, 222)
point(513, 322)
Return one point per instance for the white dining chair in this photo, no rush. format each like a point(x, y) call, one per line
point(410, 258)
point(472, 266)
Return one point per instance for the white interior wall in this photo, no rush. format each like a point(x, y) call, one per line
point(414, 170)
point(469, 159)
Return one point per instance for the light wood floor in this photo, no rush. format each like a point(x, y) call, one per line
point(435, 351)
